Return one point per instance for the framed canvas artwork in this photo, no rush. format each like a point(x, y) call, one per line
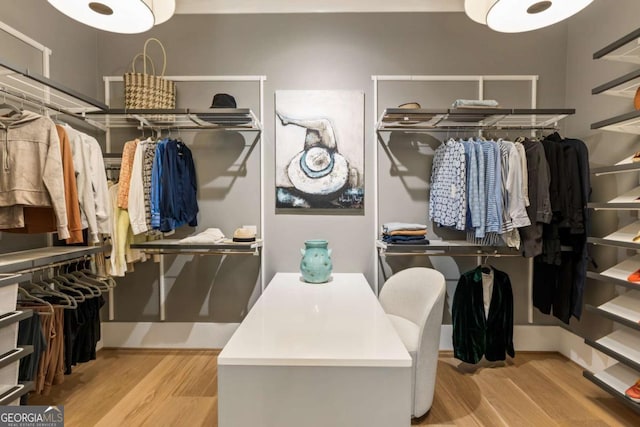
point(319, 150)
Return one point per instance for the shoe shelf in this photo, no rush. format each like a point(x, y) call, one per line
point(624, 86)
point(625, 123)
point(624, 309)
point(622, 345)
point(627, 201)
point(625, 49)
point(616, 380)
point(622, 238)
point(443, 248)
point(619, 273)
point(626, 165)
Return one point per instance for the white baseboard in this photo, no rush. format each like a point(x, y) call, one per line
point(216, 335)
point(573, 347)
point(525, 338)
point(166, 334)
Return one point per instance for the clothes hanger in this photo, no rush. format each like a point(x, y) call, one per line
point(484, 267)
point(12, 109)
point(43, 291)
point(107, 282)
point(77, 295)
point(59, 277)
point(93, 288)
point(23, 296)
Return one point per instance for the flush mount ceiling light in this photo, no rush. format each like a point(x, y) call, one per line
point(478, 9)
point(118, 16)
point(162, 9)
point(515, 16)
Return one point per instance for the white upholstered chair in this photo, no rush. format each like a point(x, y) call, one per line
point(414, 301)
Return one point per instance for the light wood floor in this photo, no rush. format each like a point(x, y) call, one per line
point(178, 388)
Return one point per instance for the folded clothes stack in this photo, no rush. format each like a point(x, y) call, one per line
point(475, 103)
point(402, 233)
point(208, 236)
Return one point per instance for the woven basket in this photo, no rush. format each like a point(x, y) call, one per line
point(144, 91)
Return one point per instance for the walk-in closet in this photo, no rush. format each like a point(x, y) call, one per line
point(319, 214)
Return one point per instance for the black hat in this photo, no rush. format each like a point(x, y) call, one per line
point(223, 100)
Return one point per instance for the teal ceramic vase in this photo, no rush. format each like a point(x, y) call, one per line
point(316, 265)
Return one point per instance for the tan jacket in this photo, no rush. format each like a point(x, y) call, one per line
point(43, 220)
point(30, 169)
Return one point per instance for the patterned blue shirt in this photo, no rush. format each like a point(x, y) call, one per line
point(448, 195)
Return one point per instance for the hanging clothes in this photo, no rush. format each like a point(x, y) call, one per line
point(43, 219)
point(448, 194)
point(136, 202)
point(539, 209)
point(91, 181)
point(560, 269)
point(477, 333)
point(32, 170)
point(178, 188)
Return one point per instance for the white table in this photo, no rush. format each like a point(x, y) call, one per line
point(312, 355)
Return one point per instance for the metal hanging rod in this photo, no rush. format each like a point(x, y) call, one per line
point(450, 254)
point(23, 97)
point(55, 264)
point(39, 103)
point(254, 252)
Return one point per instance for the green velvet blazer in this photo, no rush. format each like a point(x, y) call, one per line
point(474, 335)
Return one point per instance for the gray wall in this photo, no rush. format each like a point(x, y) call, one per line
point(73, 64)
point(591, 30)
point(333, 51)
point(326, 51)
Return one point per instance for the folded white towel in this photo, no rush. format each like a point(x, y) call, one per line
point(478, 103)
point(210, 235)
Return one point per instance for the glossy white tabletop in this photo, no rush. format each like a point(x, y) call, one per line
point(339, 323)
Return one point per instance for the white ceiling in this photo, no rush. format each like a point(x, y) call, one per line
point(327, 6)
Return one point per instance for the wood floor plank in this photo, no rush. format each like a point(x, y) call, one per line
point(461, 398)
point(179, 387)
point(141, 404)
point(514, 405)
point(598, 403)
point(561, 407)
point(94, 388)
point(202, 371)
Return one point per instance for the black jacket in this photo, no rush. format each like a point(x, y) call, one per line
point(473, 335)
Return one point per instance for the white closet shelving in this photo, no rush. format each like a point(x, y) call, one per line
point(188, 119)
point(405, 120)
point(624, 309)
point(22, 86)
point(622, 238)
point(175, 246)
point(10, 353)
point(623, 344)
point(461, 119)
point(416, 120)
point(230, 119)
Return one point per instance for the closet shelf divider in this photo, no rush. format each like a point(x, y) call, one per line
point(616, 380)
